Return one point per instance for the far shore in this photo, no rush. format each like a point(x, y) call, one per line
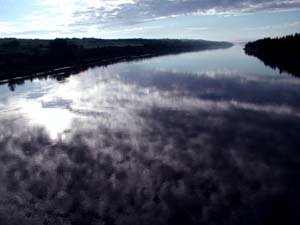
point(28, 59)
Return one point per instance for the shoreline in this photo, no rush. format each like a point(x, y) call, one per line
point(64, 70)
point(278, 53)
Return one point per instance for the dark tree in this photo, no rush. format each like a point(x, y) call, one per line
point(282, 53)
point(11, 43)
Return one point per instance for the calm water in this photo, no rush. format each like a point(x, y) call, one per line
point(199, 138)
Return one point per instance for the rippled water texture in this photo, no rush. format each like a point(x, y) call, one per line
point(200, 138)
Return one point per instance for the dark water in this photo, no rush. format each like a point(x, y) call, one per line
point(199, 138)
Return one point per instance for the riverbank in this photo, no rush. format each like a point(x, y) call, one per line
point(20, 58)
point(278, 53)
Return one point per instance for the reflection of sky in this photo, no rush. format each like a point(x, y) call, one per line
point(218, 60)
point(118, 91)
point(153, 141)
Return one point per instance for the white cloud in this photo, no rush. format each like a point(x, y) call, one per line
point(197, 28)
point(278, 26)
point(82, 16)
point(7, 27)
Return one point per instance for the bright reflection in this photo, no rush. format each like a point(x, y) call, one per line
point(55, 120)
point(117, 94)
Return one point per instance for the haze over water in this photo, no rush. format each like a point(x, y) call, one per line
point(198, 138)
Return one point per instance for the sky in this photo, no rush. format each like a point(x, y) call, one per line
point(228, 20)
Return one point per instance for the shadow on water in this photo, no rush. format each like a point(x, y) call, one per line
point(60, 74)
point(282, 66)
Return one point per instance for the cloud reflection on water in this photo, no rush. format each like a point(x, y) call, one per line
point(129, 145)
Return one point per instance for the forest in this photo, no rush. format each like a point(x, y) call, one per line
point(281, 53)
point(23, 57)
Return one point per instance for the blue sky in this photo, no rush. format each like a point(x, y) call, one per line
point(235, 20)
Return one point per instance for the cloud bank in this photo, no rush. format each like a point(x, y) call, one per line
point(135, 11)
point(79, 16)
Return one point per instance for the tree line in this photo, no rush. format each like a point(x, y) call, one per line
point(24, 56)
point(281, 52)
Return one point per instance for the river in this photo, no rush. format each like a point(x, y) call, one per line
point(207, 137)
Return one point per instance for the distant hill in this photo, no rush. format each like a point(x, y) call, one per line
point(282, 53)
point(20, 57)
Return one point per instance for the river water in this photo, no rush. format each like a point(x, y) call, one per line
point(207, 137)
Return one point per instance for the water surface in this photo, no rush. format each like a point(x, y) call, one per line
point(198, 138)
